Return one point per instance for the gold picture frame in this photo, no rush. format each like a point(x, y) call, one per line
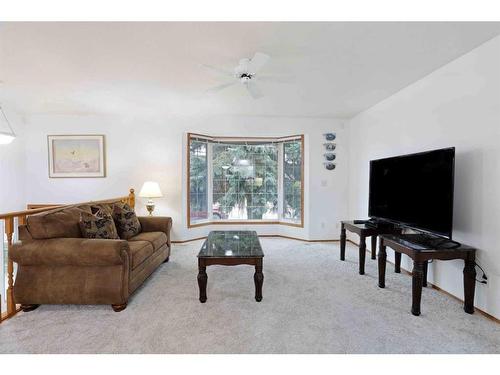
point(76, 156)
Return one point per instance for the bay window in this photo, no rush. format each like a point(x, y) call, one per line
point(245, 180)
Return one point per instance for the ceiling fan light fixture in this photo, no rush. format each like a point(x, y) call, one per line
point(245, 74)
point(245, 79)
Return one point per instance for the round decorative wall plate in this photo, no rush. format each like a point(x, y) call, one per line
point(329, 146)
point(330, 166)
point(330, 156)
point(330, 136)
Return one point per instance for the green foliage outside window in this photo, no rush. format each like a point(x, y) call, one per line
point(292, 180)
point(246, 177)
point(245, 180)
point(198, 181)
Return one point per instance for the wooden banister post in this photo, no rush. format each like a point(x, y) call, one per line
point(9, 231)
point(131, 198)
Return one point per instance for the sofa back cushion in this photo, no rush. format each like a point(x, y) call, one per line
point(60, 222)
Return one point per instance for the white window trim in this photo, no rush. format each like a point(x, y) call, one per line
point(210, 141)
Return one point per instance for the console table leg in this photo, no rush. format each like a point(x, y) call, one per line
point(469, 285)
point(397, 262)
point(374, 247)
point(417, 281)
point(342, 242)
point(382, 257)
point(258, 279)
point(426, 266)
point(362, 255)
point(202, 282)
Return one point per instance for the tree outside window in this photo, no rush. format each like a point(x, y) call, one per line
point(245, 180)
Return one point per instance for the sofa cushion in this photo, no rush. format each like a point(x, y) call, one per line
point(157, 239)
point(126, 221)
point(98, 225)
point(140, 251)
point(60, 222)
point(55, 252)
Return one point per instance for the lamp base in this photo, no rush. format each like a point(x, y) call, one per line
point(150, 206)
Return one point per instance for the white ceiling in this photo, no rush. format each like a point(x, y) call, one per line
point(339, 69)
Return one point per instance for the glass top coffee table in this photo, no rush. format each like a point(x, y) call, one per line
point(230, 248)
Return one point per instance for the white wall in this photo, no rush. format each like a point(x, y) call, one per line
point(457, 105)
point(140, 149)
point(12, 163)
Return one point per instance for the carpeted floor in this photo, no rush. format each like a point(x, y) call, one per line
point(313, 303)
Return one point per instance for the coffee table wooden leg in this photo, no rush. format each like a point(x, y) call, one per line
point(342, 242)
point(469, 285)
point(362, 255)
point(202, 282)
point(382, 257)
point(397, 262)
point(426, 267)
point(374, 247)
point(417, 281)
point(258, 279)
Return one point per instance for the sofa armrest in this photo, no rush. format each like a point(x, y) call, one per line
point(71, 252)
point(156, 224)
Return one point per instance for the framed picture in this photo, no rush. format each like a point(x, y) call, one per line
point(76, 156)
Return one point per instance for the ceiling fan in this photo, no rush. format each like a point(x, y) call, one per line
point(245, 73)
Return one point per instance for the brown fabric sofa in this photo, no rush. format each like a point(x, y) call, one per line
point(57, 266)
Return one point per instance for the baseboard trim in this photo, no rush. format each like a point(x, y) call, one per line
point(190, 240)
point(262, 236)
point(484, 313)
point(295, 238)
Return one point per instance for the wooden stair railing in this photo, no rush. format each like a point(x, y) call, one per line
point(13, 219)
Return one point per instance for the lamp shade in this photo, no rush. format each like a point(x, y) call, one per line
point(150, 189)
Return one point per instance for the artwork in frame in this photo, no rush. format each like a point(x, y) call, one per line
point(76, 156)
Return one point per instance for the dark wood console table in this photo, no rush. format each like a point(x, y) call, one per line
point(420, 256)
point(363, 231)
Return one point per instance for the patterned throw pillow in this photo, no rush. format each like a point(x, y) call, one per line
point(98, 224)
point(126, 221)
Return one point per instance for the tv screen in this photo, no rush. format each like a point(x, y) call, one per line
point(414, 190)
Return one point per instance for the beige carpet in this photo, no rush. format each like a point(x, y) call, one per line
point(313, 303)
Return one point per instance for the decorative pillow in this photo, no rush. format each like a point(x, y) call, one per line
point(126, 221)
point(98, 224)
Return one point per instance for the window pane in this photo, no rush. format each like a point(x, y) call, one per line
point(198, 173)
point(292, 181)
point(244, 177)
point(244, 182)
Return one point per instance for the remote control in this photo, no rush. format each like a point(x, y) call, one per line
point(360, 221)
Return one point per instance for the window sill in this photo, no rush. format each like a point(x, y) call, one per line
point(245, 222)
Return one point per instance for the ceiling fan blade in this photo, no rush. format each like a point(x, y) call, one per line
point(222, 71)
point(254, 90)
point(221, 87)
point(273, 78)
point(257, 62)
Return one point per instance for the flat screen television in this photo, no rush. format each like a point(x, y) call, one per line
point(414, 190)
